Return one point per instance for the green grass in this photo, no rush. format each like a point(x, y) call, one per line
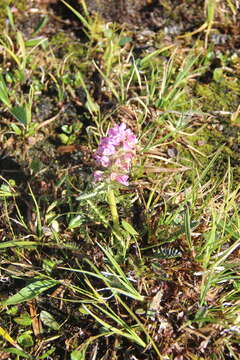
point(151, 270)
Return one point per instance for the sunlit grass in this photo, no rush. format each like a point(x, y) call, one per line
point(165, 281)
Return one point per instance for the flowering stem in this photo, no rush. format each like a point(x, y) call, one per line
point(115, 154)
point(113, 208)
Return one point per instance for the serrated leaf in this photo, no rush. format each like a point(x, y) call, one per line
point(166, 253)
point(75, 222)
point(49, 320)
point(99, 189)
point(89, 195)
point(29, 292)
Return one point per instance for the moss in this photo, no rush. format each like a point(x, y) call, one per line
point(223, 95)
point(64, 45)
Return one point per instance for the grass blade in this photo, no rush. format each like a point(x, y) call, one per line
point(30, 291)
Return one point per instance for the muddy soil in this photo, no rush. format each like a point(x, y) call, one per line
point(182, 16)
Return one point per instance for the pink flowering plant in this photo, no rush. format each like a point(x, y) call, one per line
point(114, 155)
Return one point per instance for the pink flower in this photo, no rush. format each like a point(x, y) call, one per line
point(102, 160)
point(98, 175)
point(122, 179)
point(115, 153)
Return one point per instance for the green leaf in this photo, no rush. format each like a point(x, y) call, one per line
point(75, 222)
point(78, 355)
point(30, 292)
point(99, 189)
point(4, 92)
point(16, 129)
point(36, 41)
point(10, 17)
point(218, 74)
point(129, 228)
point(6, 191)
point(25, 340)
point(47, 353)
point(8, 244)
point(43, 21)
point(20, 113)
point(49, 320)
point(63, 138)
point(124, 40)
point(148, 58)
point(24, 319)
point(187, 225)
point(48, 265)
point(12, 310)
point(35, 165)
point(237, 285)
point(67, 129)
point(81, 18)
point(17, 352)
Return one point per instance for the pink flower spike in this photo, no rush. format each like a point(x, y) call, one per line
point(115, 153)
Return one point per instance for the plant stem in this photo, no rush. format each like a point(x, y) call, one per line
point(113, 208)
